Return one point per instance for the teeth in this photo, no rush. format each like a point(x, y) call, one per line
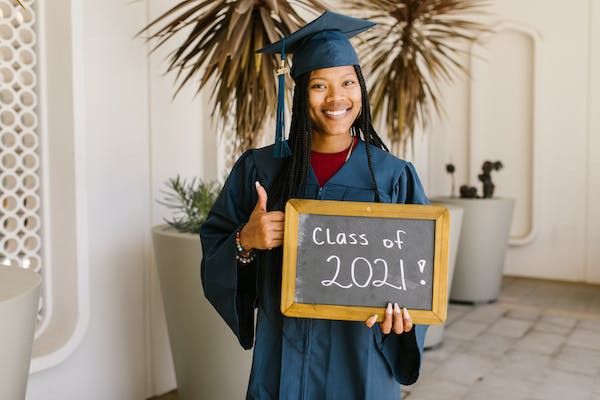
point(334, 113)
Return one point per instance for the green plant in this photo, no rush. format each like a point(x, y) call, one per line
point(222, 36)
point(190, 201)
point(470, 192)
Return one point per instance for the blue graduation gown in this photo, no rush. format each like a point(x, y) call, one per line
point(297, 358)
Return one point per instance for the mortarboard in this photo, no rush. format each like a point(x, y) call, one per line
point(322, 43)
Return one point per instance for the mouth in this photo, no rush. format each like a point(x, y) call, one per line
point(336, 114)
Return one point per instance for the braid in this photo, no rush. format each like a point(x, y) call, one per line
point(291, 180)
point(364, 125)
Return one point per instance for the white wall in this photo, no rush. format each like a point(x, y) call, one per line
point(593, 148)
point(181, 142)
point(111, 360)
point(531, 103)
point(136, 137)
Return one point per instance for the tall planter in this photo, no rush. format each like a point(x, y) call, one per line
point(435, 333)
point(19, 298)
point(209, 361)
point(482, 248)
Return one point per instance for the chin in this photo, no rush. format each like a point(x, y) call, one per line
point(335, 130)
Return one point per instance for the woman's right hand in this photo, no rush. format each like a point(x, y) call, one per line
point(264, 230)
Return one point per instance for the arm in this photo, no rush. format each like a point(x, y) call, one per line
point(231, 288)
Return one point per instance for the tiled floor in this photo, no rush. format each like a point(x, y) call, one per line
point(539, 341)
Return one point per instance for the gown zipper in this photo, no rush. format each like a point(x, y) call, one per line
point(307, 340)
point(306, 359)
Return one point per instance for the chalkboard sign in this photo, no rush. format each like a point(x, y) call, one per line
point(347, 260)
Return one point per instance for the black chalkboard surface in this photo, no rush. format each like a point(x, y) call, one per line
point(347, 260)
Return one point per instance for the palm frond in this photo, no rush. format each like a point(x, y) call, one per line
point(222, 36)
point(415, 45)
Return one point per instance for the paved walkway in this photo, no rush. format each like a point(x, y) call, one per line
point(539, 341)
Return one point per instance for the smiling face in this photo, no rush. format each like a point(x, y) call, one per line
point(334, 100)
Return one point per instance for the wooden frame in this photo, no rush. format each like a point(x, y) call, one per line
point(295, 207)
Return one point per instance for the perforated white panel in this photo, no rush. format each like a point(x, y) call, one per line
point(20, 199)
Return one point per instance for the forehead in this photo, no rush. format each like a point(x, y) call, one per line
point(333, 72)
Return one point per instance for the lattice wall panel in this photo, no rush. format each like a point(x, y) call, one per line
point(20, 175)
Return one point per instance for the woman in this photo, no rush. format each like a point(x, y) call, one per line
point(335, 155)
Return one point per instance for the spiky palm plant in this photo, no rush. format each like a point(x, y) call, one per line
point(222, 36)
point(190, 202)
point(415, 45)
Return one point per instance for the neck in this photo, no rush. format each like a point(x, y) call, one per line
point(330, 143)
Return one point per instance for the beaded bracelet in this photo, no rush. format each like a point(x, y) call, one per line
point(243, 256)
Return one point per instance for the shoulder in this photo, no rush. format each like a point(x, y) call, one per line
point(263, 153)
point(263, 161)
point(386, 162)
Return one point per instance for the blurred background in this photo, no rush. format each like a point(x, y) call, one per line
point(90, 133)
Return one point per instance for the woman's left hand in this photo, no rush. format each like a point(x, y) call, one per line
point(396, 320)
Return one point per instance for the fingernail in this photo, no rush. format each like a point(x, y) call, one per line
point(396, 308)
point(405, 312)
point(389, 308)
point(257, 183)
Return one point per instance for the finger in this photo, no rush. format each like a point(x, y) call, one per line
point(371, 321)
point(386, 325)
point(276, 216)
point(275, 243)
point(276, 226)
point(398, 325)
point(276, 235)
point(261, 203)
point(408, 324)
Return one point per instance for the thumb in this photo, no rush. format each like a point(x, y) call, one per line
point(261, 204)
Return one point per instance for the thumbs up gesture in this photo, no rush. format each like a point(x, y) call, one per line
point(264, 230)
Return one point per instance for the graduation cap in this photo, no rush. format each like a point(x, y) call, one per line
point(322, 43)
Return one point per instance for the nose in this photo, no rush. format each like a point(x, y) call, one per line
point(334, 94)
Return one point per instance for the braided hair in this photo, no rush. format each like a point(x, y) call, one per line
point(291, 180)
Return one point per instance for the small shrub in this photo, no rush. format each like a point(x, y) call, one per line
point(470, 192)
point(190, 201)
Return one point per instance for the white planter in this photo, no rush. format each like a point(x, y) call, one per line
point(482, 248)
point(19, 298)
point(209, 361)
point(435, 333)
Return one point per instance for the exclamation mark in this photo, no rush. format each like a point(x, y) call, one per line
point(421, 264)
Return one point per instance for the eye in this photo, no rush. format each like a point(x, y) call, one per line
point(349, 83)
point(318, 86)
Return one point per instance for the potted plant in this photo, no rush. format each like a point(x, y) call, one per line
point(205, 353)
point(484, 237)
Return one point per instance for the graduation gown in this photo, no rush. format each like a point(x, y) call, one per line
point(298, 358)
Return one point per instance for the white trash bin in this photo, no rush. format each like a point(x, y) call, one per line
point(19, 297)
point(435, 333)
